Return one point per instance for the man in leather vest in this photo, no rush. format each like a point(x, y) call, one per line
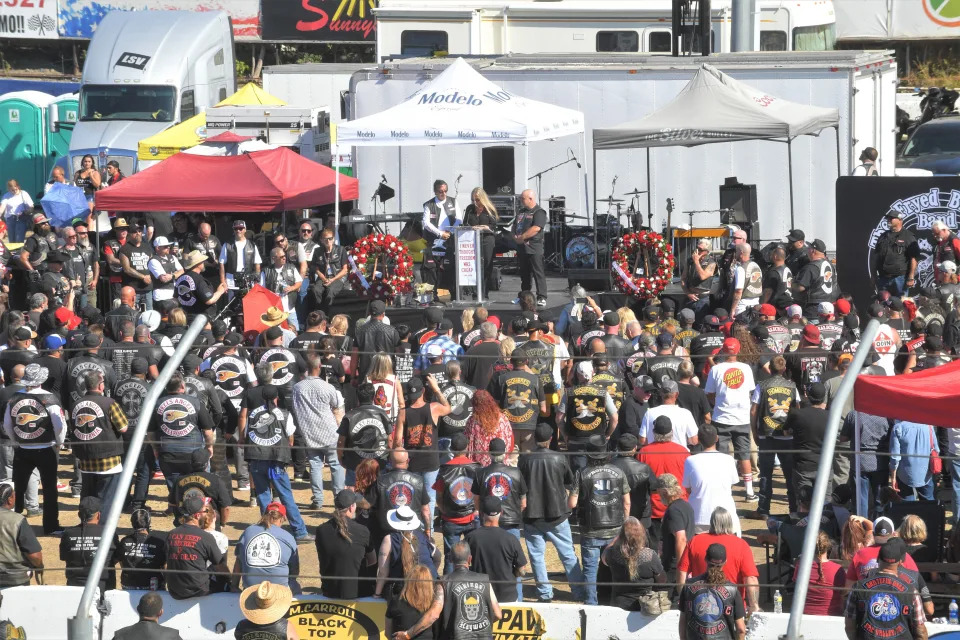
point(772, 401)
point(283, 279)
point(454, 487)
point(603, 494)
point(232, 372)
point(459, 396)
point(55, 284)
point(725, 267)
point(194, 292)
point(470, 607)
point(884, 605)
point(797, 251)
point(239, 260)
point(20, 551)
point(778, 336)
point(96, 436)
point(129, 393)
point(893, 261)
point(616, 388)
point(288, 366)
point(400, 487)
point(505, 482)
point(705, 344)
point(329, 270)
point(363, 433)
point(33, 254)
point(699, 278)
point(549, 478)
point(440, 214)
point(89, 361)
point(947, 249)
point(778, 281)
point(830, 329)
point(209, 245)
point(816, 282)
point(541, 356)
point(710, 605)
point(590, 411)
point(268, 436)
point(640, 478)
point(165, 269)
point(747, 281)
point(36, 425)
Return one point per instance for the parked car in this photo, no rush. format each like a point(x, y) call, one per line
point(933, 146)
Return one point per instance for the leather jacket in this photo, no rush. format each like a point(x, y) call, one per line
point(547, 473)
point(642, 484)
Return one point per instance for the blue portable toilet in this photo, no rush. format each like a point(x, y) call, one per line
point(23, 138)
point(61, 117)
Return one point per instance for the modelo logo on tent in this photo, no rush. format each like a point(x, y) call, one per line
point(918, 213)
point(457, 98)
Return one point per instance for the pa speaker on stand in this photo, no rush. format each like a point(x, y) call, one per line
point(738, 203)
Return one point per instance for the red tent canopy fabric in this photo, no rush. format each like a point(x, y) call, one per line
point(228, 136)
point(272, 180)
point(928, 397)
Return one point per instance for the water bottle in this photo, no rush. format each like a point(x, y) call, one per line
point(778, 603)
point(953, 612)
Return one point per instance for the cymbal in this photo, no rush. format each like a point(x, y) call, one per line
point(610, 199)
point(635, 192)
point(573, 215)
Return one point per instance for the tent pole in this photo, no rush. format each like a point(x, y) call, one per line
point(336, 192)
point(790, 171)
point(586, 189)
point(862, 509)
point(824, 469)
point(836, 130)
point(649, 195)
point(596, 257)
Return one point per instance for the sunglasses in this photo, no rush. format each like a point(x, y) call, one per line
point(306, 230)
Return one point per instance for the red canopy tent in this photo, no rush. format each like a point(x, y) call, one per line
point(928, 397)
point(272, 180)
point(228, 136)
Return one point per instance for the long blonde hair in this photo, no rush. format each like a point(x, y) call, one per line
point(466, 319)
point(484, 199)
point(381, 367)
point(626, 317)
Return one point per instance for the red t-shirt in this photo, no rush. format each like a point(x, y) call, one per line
point(664, 457)
point(866, 559)
point(825, 596)
point(739, 563)
point(438, 487)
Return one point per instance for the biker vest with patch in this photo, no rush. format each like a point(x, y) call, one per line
point(367, 427)
point(460, 397)
point(699, 285)
point(329, 264)
point(179, 429)
point(277, 280)
point(169, 265)
point(777, 397)
point(615, 386)
point(710, 610)
point(586, 413)
point(466, 606)
point(230, 374)
point(778, 336)
point(753, 280)
point(249, 256)
point(884, 605)
point(823, 288)
point(78, 367)
point(266, 436)
point(782, 296)
point(91, 429)
point(601, 497)
point(447, 208)
point(457, 497)
point(504, 482)
point(283, 364)
point(130, 394)
point(32, 424)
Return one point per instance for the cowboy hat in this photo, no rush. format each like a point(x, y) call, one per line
point(265, 603)
point(403, 518)
point(193, 258)
point(273, 317)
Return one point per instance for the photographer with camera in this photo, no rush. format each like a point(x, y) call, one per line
point(283, 279)
point(239, 261)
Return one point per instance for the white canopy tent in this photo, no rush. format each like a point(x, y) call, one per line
point(713, 107)
point(459, 106)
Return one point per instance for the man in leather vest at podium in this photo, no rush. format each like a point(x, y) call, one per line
point(440, 214)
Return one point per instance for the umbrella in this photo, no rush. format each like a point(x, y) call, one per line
point(63, 203)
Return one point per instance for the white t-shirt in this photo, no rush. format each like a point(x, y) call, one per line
point(14, 205)
point(156, 270)
point(684, 426)
point(739, 284)
point(733, 383)
point(709, 477)
point(240, 266)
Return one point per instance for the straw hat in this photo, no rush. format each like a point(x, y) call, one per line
point(265, 603)
point(193, 258)
point(273, 316)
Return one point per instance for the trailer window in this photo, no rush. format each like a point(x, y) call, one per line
point(188, 107)
point(816, 38)
point(659, 42)
point(618, 41)
point(423, 43)
point(218, 58)
point(111, 102)
point(773, 41)
point(687, 45)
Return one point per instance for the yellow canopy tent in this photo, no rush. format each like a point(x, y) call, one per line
point(192, 131)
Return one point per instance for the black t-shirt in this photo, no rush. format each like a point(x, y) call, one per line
point(694, 400)
point(161, 221)
point(204, 484)
point(193, 292)
point(332, 371)
point(633, 412)
point(139, 257)
point(147, 553)
point(189, 549)
point(478, 363)
point(403, 616)
point(497, 554)
point(526, 219)
point(678, 517)
point(809, 426)
point(339, 557)
point(56, 380)
point(625, 594)
point(307, 341)
point(78, 545)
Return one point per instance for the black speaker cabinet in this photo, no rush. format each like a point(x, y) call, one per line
point(742, 199)
point(498, 170)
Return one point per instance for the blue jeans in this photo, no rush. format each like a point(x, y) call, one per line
point(452, 534)
point(537, 537)
point(317, 458)
point(430, 477)
point(267, 474)
point(349, 477)
point(101, 485)
point(17, 227)
point(516, 533)
point(896, 286)
point(868, 488)
point(765, 460)
point(590, 550)
point(443, 445)
point(912, 494)
point(699, 307)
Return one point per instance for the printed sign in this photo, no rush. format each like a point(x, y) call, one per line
point(861, 207)
point(321, 20)
point(34, 19)
point(80, 19)
point(132, 60)
point(467, 257)
point(14, 115)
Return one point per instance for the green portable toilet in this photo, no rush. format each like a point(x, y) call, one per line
point(23, 139)
point(61, 117)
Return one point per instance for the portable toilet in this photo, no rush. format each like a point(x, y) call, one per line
point(23, 139)
point(62, 114)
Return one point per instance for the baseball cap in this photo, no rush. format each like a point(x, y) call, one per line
point(89, 506)
point(668, 305)
point(445, 325)
point(346, 498)
point(433, 350)
point(712, 321)
point(434, 314)
point(721, 313)
point(139, 366)
point(843, 306)
point(651, 313)
point(716, 554)
point(893, 550)
point(91, 340)
point(893, 213)
point(796, 234)
point(817, 392)
point(687, 315)
point(933, 343)
point(543, 432)
point(948, 266)
point(663, 425)
point(664, 340)
point(895, 303)
point(273, 333)
point(413, 388)
point(669, 386)
point(497, 445)
point(495, 321)
point(644, 382)
point(279, 508)
point(54, 341)
point(239, 224)
point(23, 333)
point(232, 339)
point(40, 218)
point(491, 505)
point(191, 505)
point(794, 311)
point(56, 256)
point(811, 333)
point(876, 310)
point(825, 308)
point(68, 318)
point(731, 346)
point(378, 308)
point(768, 310)
point(627, 442)
point(162, 241)
point(883, 527)
point(611, 319)
point(819, 245)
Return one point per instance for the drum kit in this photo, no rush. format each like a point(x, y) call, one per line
point(584, 246)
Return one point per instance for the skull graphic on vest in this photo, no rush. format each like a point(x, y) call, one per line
point(471, 605)
point(518, 399)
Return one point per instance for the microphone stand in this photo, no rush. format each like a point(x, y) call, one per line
point(539, 174)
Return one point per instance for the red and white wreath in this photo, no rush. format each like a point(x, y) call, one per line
point(641, 264)
point(380, 266)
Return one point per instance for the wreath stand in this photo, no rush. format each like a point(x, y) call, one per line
point(641, 264)
point(381, 267)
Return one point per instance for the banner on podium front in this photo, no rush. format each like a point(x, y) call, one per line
point(467, 257)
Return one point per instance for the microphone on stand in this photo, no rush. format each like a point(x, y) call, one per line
point(574, 156)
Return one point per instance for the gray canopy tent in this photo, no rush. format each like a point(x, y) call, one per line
point(713, 107)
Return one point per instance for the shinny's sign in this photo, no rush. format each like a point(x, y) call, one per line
point(319, 20)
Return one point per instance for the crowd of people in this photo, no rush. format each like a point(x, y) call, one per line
point(457, 450)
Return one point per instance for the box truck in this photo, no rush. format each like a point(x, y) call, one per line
point(144, 72)
point(612, 90)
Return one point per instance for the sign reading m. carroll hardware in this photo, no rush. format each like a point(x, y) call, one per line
point(322, 20)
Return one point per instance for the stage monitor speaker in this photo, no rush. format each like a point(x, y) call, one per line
point(498, 170)
point(742, 199)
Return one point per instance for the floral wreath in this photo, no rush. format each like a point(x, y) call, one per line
point(380, 266)
point(642, 274)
